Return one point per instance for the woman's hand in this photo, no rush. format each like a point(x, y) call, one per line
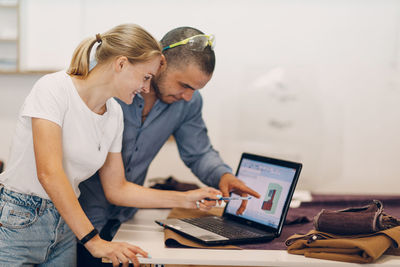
point(117, 252)
point(195, 199)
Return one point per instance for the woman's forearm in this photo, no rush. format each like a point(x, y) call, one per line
point(123, 193)
point(62, 195)
point(133, 195)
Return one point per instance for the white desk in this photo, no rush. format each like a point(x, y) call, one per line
point(143, 232)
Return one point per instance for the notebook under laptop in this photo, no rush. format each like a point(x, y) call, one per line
point(275, 180)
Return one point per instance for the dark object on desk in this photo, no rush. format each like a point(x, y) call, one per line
point(1, 166)
point(364, 248)
point(296, 219)
point(355, 220)
point(171, 183)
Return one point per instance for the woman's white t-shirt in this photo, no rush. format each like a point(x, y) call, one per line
point(86, 136)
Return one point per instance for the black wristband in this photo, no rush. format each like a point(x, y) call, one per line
point(89, 236)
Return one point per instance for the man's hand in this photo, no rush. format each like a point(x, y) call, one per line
point(230, 183)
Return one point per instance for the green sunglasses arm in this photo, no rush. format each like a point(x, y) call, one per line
point(176, 44)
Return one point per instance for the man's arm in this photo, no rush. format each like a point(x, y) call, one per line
point(196, 151)
point(230, 183)
point(194, 145)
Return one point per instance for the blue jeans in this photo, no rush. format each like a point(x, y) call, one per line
point(32, 232)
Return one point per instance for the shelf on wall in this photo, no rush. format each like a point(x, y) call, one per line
point(9, 36)
point(25, 72)
point(8, 39)
point(9, 3)
point(8, 65)
point(8, 6)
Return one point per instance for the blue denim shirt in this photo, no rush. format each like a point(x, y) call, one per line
point(141, 143)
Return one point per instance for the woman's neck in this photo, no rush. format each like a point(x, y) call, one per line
point(95, 90)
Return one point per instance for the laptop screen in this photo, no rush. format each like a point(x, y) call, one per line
point(272, 182)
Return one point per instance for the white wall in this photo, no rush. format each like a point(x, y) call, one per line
point(13, 90)
point(312, 81)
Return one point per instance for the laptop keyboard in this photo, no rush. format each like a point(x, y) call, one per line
point(219, 226)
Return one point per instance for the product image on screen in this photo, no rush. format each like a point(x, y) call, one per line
point(272, 182)
point(272, 198)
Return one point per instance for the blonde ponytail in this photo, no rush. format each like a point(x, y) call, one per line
point(80, 59)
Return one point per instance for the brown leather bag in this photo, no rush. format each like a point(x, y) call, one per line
point(355, 220)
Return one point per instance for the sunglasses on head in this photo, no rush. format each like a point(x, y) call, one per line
point(195, 43)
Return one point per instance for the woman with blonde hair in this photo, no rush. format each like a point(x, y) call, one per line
point(68, 128)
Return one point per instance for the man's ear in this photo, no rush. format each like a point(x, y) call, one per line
point(163, 64)
point(119, 63)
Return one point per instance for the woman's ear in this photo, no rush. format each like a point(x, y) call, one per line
point(120, 62)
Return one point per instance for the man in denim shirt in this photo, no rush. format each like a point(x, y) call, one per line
point(152, 118)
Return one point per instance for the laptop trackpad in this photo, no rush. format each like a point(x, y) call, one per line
point(192, 230)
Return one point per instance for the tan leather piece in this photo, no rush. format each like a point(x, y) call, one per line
point(364, 248)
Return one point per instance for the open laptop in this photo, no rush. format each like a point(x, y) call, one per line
point(274, 179)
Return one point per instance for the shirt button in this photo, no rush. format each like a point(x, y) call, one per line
point(136, 149)
point(140, 106)
point(128, 170)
